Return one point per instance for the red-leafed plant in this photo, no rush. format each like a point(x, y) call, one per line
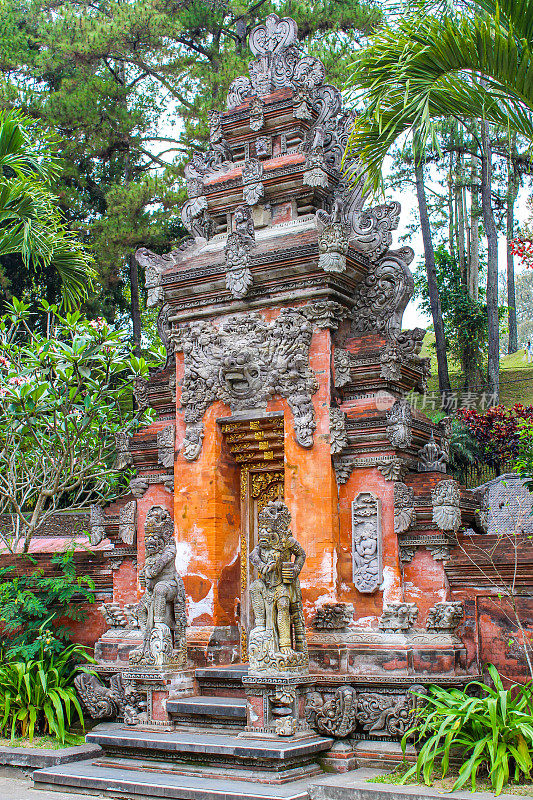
point(497, 430)
point(522, 247)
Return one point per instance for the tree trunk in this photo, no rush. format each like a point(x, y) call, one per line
point(473, 266)
point(492, 265)
point(135, 305)
point(460, 217)
point(434, 300)
point(512, 192)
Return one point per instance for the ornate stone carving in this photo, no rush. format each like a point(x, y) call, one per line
point(439, 552)
point(154, 266)
point(240, 89)
point(196, 219)
point(238, 275)
point(387, 714)
point(372, 229)
point(381, 298)
point(244, 224)
point(333, 616)
point(302, 103)
point(446, 498)
point(341, 365)
point(399, 422)
point(430, 457)
point(97, 524)
point(244, 363)
point(252, 186)
point(263, 147)
point(257, 118)
point(333, 244)
point(404, 509)
point(324, 313)
point(398, 617)
point(333, 714)
point(366, 542)
point(279, 61)
point(392, 469)
point(138, 486)
point(338, 438)
point(445, 426)
point(165, 445)
point(214, 121)
point(277, 642)
point(117, 616)
point(445, 617)
point(127, 522)
point(315, 172)
point(140, 392)
point(343, 467)
point(161, 610)
point(407, 552)
point(124, 457)
point(102, 702)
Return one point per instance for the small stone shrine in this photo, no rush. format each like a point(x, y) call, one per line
point(287, 494)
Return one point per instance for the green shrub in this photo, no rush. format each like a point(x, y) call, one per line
point(492, 732)
point(34, 608)
point(38, 696)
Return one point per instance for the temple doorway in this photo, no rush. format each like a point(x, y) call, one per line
point(257, 444)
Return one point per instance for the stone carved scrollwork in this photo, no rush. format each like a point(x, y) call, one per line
point(238, 275)
point(277, 643)
point(366, 542)
point(333, 714)
point(117, 616)
point(382, 297)
point(445, 617)
point(324, 313)
point(446, 498)
point(302, 103)
point(431, 458)
point(127, 522)
point(404, 509)
point(252, 182)
point(102, 702)
point(165, 445)
point(244, 363)
point(333, 243)
point(338, 438)
point(315, 173)
point(240, 89)
point(387, 714)
point(154, 266)
point(333, 616)
point(342, 367)
point(161, 610)
point(398, 617)
point(393, 469)
point(372, 229)
point(97, 524)
point(399, 422)
point(263, 147)
point(138, 486)
point(343, 466)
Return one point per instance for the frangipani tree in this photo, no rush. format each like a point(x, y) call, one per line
point(65, 394)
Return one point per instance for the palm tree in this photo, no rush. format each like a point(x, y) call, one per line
point(462, 65)
point(30, 220)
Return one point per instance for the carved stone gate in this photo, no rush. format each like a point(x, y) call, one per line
point(257, 444)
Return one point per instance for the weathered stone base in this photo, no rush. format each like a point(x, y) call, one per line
point(276, 706)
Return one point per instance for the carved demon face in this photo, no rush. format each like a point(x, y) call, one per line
point(158, 530)
point(241, 374)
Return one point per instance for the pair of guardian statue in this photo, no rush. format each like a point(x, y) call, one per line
point(276, 644)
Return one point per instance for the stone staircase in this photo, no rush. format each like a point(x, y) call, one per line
point(200, 756)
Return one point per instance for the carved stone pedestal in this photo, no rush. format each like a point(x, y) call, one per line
point(276, 706)
point(153, 686)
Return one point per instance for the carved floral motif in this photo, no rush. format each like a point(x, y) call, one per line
point(338, 438)
point(398, 617)
point(165, 445)
point(333, 616)
point(127, 522)
point(431, 458)
point(445, 617)
point(97, 523)
point(446, 498)
point(342, 366)
point(404, 509)
point(399, 422)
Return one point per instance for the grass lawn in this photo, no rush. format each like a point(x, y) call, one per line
point(443, 785)
point(516, 376)
point(49, 742)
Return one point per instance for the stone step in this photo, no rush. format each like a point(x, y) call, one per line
point(90, 778)
point(203, 747)
point(221, 681)
point(208, 711)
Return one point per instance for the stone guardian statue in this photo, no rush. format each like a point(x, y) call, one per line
point(277, 643)
point(161, 611)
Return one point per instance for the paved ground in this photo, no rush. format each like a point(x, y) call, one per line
point(16, 787)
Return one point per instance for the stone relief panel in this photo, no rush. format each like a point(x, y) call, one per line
point(342, 367)
point(366, 542)
point(333, 617)
point(124, 457)
point(244, 363)
point(399, 424)
point(382, 297)
point(404, 507)
point(253, 190)
point(431, 457)
point(446, 498)
point(127, 522)
point(97, 524)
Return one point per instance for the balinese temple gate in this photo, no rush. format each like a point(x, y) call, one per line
point(278, 564)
